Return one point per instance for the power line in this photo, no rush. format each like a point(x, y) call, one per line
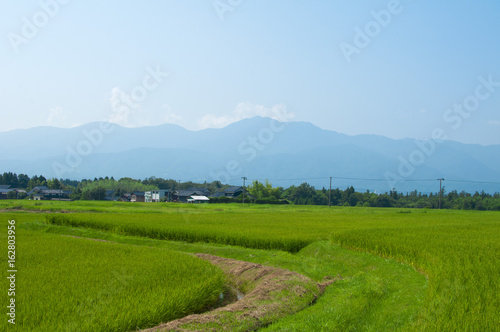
point(365, 179)
point(468, 181)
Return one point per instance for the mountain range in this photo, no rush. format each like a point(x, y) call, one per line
point(286, 153)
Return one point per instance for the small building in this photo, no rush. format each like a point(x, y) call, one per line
point(198, 199)
point(156, 195)
point(138, 196)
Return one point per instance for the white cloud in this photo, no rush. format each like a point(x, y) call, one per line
point(125, 111)
point(173, 118)
point(122, 106)
point(56, 117)
point(167, 116)
point(246, 110)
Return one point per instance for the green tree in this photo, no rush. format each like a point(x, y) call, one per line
point(54, 184)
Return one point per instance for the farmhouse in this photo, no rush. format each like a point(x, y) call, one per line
point(44, 193)
point(231, 192)
point(4, 190)
point(183, 195)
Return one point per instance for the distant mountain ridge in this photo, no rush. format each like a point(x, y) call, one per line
point(256, 148)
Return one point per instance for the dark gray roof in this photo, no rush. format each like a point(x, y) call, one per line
point(4, 191)
point(233, 189)
point(201, 190)
point(219, 194)
point(189, 192)
point(52, 192)
point(41, 188)
point(4, 186)
point(55, 192)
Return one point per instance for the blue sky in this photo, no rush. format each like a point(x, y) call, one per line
point(220, 61)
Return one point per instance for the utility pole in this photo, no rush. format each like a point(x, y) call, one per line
point(244, 179)
point(330, 194)
point(178, 192)
point(440, 192)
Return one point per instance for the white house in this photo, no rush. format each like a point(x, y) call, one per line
point(155, 195)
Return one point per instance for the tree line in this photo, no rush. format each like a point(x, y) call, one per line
point(263, 192)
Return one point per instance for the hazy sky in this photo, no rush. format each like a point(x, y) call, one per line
point(393, 68)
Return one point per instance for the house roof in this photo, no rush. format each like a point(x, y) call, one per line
point(205, 190)
point(4, 186)
point(56, 192)
point(199, 198)
point(4, 191)
point(233, 189)
point(189, 192)
point(51, 192)
point(219, 194)
point(41, 188)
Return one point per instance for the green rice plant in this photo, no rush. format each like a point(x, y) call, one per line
point(461, 263)
point(199, 228)
point(73, 284)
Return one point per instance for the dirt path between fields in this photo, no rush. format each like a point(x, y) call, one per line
point(271, 293)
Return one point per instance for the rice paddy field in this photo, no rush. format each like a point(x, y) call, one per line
point(73, 284)
point(395, 270)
